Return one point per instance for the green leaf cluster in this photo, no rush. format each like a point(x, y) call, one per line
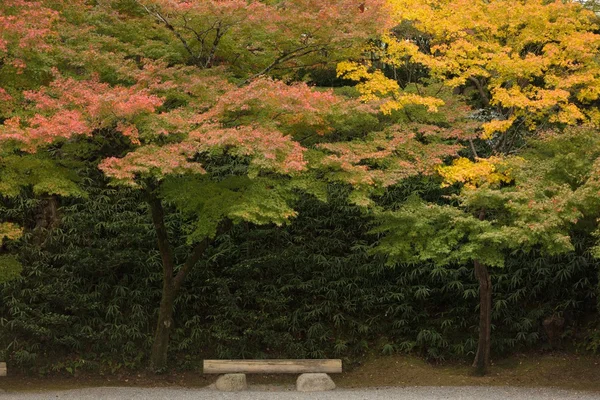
point(238, 198)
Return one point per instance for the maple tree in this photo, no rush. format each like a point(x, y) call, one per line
point(501, 207)
point(529, 64)
point(25, 32)
point(237, 149)
point(235, 166)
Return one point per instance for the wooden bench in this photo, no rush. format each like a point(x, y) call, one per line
point(2, 369)
point(313, 372)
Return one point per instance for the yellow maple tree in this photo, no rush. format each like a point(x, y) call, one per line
point(532, 60)
point(529, 65)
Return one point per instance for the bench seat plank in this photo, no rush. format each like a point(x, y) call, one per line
point(272, 366)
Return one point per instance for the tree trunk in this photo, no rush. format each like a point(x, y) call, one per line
point(482, 358)
point(172, 282)
point(158, 358)
point(160, 347)
point(48, 219)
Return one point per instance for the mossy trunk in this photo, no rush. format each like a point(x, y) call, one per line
point(482, 357)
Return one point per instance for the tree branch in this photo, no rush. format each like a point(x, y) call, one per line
point(163, 19)
point(473, 148)
point(482, 93)
point(196, 254)
point(189, 264)
point(299, 52)
point(219, 33)
point(164, 247)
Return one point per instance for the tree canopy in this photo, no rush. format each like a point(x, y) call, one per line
point(212, 111)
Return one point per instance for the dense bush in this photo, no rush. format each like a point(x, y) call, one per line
point(89, 292)
point(89, 289)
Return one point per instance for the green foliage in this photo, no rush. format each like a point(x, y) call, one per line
point(76, 293)
point(238, 198)
point(525, 203)
point(311, 289)
point(296, 277)
point(442, 234)
point(39, 172)
point(10, 268)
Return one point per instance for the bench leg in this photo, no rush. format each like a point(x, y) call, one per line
point(2, 369)
point(232, 382)
point(314, 383)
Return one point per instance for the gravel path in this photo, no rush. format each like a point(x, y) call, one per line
point(407, 393)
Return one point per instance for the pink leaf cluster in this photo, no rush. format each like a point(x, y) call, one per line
point(6, 102)
point(266, 149)
point(68, 107)
point(44, 130)
point(385, 158)
point(153, 160)
point(4, 96)
point(158, 76)
point(96, 99)
point(269, 104)
point(276, 102)
point(26, 23)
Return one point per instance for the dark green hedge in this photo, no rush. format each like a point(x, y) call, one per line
point(89, 292)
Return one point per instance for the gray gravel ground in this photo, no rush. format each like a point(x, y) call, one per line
point(406, 393)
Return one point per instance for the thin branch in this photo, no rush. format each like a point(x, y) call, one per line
point(473, 148)
point(510, 144)
point(170, 27)
point(200, 35)
point(196, 254)
point(299, 52)
point(294, 67)
point(219, 33)
point(482, 93)
point(418, 89)
point(307, 137)
point(190, 263)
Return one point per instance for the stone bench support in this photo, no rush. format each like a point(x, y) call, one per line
point(231, 383)
point(314, 383)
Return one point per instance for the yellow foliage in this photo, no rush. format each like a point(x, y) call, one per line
point(352, 71)
point(10, 231)
point(533, 56)
point(489, 128)
point(594, 116)
point(405, 99)
point(474, 174)
point(569, 114)
point(396, 50)
point(377, 85)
